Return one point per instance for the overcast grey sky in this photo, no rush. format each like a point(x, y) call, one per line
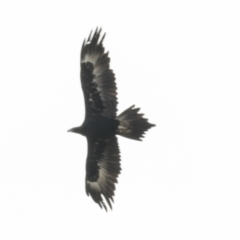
point(177, 60)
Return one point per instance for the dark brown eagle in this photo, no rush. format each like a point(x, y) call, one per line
point(101, 123)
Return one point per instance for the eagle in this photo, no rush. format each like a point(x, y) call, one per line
point(101, 123)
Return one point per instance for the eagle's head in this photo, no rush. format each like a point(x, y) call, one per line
point(78, 130)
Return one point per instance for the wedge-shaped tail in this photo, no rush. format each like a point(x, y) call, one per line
point(132, 124)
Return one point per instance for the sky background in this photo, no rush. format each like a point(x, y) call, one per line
point(177, 60)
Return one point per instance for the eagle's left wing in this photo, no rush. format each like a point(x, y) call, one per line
point(102, 169)
point(98, 80)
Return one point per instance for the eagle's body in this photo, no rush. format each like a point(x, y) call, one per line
point(98, 127)
point(101, 124)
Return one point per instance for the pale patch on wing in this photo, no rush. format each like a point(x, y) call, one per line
point(100, 188)
point(98, 69)
point(102, 76)
point(106, 94)
point(103, 168)
point(105, 179)
point(94, 186)
point(102, 185)
point(92, 58)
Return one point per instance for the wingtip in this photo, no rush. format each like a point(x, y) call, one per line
point(108, 201)
point(96, 32)
point(89, 37)
point(104, 205)
point(101, 41)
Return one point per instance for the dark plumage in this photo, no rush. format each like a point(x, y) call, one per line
point(101, 124)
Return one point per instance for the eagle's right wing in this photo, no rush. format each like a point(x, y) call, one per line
point(98, 80)
point(102, 169)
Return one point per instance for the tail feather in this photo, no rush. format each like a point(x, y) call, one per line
point(132, 124)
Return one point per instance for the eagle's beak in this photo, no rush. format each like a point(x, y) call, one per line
point(75, 130)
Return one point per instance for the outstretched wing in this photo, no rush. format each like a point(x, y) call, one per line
point(102, 169)
point(98, 81)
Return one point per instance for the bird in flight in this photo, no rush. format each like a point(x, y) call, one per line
point(101, 123)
